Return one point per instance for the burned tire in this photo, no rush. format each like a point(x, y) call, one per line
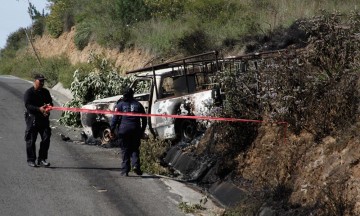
point(104, 134)
point(188, 130)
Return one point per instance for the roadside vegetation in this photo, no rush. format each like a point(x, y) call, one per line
point(163, 28)
point(316, 90)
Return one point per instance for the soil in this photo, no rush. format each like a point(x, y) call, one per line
point(47, 46)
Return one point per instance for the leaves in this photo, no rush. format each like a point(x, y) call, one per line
point(102, 81)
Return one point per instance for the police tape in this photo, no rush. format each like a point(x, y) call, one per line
point(210, 118)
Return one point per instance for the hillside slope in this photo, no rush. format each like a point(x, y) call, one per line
point(47, 46)
point(316, 171)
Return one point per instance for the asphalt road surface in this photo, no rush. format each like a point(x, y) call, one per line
point(82, 179)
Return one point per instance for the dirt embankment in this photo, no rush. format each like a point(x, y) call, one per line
point(321, 175)
point(46, 46)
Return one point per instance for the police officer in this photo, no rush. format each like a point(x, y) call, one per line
point(36, 99)
point(129, 132)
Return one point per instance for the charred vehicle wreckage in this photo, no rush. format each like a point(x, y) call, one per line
point(189, 87)
point(182, 87)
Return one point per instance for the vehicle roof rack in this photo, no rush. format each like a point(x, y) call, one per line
point(195, 59)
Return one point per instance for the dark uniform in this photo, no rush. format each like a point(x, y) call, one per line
point(37, 122)
point(129, 132)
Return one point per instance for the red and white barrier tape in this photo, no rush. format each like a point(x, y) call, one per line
point(211, 118)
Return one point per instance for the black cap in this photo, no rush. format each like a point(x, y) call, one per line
point(39, 77)
point(128, 93)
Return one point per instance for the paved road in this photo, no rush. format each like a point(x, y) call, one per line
point(82, 180)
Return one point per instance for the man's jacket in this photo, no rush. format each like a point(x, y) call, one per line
point(34, 99)
point(129, 124)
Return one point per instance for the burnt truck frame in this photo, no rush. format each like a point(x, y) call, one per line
point(181, 87)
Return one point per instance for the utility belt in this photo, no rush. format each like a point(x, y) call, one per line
point(28, 115)
point(32, 120)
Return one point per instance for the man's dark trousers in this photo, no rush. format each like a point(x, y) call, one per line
point(129, 149)
point(32, 130)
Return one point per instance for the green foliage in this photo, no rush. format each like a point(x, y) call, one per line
point(194, 42)
point(112, 33)
point(128, 23)
point(156, 37)
point(190, 208)
point(166, 8)
point(123, 23)
point(222, 21)
point(55, 67)
point(33, 12)
point(151, 153)
point(66, 75)
point(55, 22)
point(82, 35)
point(10, 65)
point(206, 11)
point(16, 40)
point(130, 11)
point(101, 81)
point(38, 27)
point(71, 118)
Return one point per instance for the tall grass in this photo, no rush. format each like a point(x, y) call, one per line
point(273, 14)
point(158, 36)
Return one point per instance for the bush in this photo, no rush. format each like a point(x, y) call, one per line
point(101, 81)
point(55, 67)
point(38, 19)
point(67, 73)
point(60, 13)
point(130, 11)
point(112, 33)
point(25, 69)
point(82, 35)
point(16, 40)
point(38, 27)
point(194, 42)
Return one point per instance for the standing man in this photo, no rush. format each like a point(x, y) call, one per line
point(36, 99)
point(129, 132)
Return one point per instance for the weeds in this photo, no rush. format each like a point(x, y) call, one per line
point(151, 153)
point(190, 208)
point(103, 80)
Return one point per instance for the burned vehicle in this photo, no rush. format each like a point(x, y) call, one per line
point(181, 87)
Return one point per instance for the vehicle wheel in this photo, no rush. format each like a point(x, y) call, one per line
point(105, 135)
point(187, 130)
